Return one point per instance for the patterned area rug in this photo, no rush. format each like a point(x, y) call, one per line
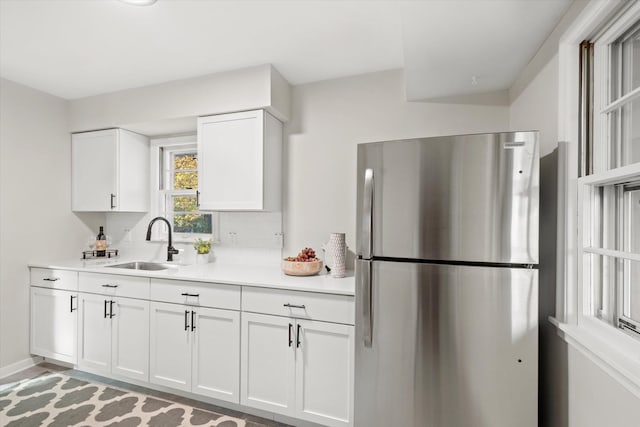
point(57, 400)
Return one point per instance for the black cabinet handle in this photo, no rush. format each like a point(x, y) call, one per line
point(186, 320)
point(298, 337)
point(71, 303)
point(51, 279)
point(113, 204)
point(105, 308)
point(185, 294)
point(193, 323)
point(111, 315)
point(109, 286)
point(295, 306)
point(290, 337)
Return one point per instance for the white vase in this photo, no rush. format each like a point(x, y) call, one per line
point(202, 258)
point(336, 254)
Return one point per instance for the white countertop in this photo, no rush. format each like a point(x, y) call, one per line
point(267, 277)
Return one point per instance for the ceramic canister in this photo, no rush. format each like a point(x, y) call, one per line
point(337, 254)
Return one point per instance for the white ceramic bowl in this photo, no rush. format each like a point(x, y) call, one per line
point(301, 268)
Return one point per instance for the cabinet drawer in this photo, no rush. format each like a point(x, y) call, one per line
point(55, 279)
point(303, 305)
point(195, 293)
point(114, 285)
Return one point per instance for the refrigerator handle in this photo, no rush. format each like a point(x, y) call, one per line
point(367, 215)
point(364, 284)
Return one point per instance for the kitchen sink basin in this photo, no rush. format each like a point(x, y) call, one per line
point(142, 265)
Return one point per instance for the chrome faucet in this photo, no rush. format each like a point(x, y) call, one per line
point(170, 249)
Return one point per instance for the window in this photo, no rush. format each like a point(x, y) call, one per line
point(177, 188)
point(609, 193)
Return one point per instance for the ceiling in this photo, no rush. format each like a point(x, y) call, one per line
point(78, 48)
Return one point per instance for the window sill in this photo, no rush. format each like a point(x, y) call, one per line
point(605, 351)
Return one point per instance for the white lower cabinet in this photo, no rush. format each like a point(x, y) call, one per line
point(196, 349)
point(54, 320)
point(113, 336)
point(300, 368)
point(287, 352)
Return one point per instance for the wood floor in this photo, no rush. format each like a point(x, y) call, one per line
point(252, 421)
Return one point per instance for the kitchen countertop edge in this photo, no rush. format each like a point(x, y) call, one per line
point(239, 275)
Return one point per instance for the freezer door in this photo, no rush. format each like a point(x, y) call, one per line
point(458, 198)
point(450, 346)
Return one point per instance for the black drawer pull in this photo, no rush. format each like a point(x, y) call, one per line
point(105, 308)
point(73, 309)
point(290, 337)
point(185, 294)
point(109, 286)
point(186, 320)
point(295, 306)
point(298, 337)
point(193, 322)
point(111, 315)
point(51, 279)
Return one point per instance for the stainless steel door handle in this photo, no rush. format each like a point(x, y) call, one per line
point(367, 215)
point(365, 285)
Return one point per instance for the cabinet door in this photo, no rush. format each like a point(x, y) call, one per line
point(130, 339)
point(170, 345)
point(216, 353)
point(324, 372)
point(267, 363)
point(94, 334)
point(94, 170)
point(230, 161)
point(54, 323)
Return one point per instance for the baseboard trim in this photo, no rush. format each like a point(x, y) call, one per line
point(20, 365)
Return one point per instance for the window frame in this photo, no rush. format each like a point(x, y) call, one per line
point(158, 193)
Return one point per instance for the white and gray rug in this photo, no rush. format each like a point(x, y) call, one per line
point(57, 400)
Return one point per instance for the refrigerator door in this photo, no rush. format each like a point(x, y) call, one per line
point(450, 346)
point(457, 198)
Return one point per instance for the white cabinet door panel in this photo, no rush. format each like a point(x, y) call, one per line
point(230, 155)
point(130, 339)
point(94, 334)
point(54, 324)
point(324, 373)
point(267, 360)
point(170, 345)
point(216, 354)
point(93, 170)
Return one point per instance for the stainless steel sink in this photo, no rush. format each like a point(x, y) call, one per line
point(143, 265)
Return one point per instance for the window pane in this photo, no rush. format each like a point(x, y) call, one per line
point(186, 171)
point(630, 138)
point(604, 272)
point(631, 214)
point(630, 61)
point(185, 180)
point(631, 291)
point(192, 223)
point(185, 161)
point(184, 203)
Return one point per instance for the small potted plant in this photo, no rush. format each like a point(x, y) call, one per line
point(202, 247)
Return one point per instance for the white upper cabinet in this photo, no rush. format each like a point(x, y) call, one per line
point(240, 162)
point(109, 171)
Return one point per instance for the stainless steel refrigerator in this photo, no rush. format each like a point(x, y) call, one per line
point(447, 282)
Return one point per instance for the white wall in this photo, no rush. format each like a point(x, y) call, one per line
point(36, 221)
point(595, 399)
point(329, 119)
